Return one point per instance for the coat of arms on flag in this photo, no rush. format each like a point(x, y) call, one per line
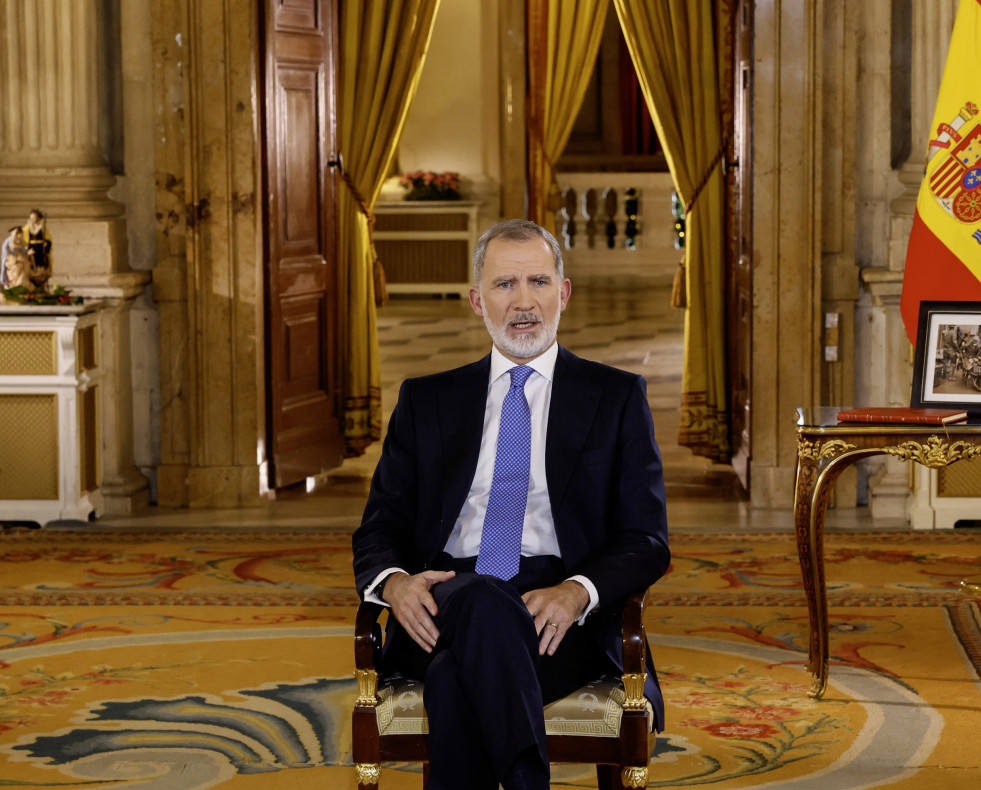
point(956, 181)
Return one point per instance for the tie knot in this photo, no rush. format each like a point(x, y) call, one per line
point(519, 376)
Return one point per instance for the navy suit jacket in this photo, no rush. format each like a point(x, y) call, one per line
point(603, 468)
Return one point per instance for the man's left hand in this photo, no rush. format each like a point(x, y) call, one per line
point(555, 609)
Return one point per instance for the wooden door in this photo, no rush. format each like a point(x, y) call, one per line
point(740, 280)
point(299, 132)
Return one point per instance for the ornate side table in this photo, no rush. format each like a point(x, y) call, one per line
point(825, 448)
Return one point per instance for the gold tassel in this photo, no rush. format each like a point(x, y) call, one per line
point(679, 291)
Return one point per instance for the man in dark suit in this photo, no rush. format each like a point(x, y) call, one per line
point(494, 642)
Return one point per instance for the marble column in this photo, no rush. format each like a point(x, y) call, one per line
point(56, 145)
point(889, 349)
point(52, 141)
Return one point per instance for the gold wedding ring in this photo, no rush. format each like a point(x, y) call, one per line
point(555, 626)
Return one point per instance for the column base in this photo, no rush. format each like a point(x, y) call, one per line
point(889, 493)
point(123, 496)
point(179, 485)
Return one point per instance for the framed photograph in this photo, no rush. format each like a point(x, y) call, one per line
point(947, 365)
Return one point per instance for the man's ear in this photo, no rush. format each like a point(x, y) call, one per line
point(565, 293)
point(475, 302)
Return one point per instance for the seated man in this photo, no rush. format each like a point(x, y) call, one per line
point(517, 501)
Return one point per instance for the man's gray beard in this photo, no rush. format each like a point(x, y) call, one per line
point(524, 346)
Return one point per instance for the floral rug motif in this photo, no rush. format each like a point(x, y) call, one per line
point(164, 661)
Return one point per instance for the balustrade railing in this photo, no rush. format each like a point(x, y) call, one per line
point(616, 216)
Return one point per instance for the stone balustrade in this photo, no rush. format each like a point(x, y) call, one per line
point(616, 217)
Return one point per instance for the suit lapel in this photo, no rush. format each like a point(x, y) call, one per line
point(575, 399)
point(461, 418)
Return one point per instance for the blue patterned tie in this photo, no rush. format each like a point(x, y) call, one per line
point(500, 542)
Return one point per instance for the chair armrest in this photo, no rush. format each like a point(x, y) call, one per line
point(634, 641)
point(367, 636)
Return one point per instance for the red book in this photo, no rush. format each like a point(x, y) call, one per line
point(902, 414)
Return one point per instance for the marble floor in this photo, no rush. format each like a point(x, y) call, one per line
point(621, 316)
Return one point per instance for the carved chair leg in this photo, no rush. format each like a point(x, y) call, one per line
point(608, 777)
point(368, 775)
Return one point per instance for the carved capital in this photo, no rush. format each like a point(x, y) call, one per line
point(632, 776)
point(815, 451)
point(936, 453)
point(367, 688)
point(368, 773)
point(633, 687)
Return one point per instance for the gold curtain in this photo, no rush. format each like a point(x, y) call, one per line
point(563, 40)
point(382, 49)
point(673, 47)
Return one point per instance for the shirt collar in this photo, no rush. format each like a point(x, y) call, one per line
point(544, 364)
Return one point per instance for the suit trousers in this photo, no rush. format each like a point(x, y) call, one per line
point(485, 684)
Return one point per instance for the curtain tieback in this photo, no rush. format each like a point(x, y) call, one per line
point(355, 193)
point(679, 296)
point(378, 274)
point(708, 174)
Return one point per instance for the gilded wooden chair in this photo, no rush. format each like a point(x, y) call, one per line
point(607, 722)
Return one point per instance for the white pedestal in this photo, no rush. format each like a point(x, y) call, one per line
point(929, 510)
point(50, 382)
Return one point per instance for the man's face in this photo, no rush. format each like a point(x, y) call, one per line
point(520, 297)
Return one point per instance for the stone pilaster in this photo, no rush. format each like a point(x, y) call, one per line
point(890, 374)
point(208, 278)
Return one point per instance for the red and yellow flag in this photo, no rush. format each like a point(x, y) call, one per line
point(943, 259)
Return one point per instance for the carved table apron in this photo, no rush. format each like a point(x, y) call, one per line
point(825, 448)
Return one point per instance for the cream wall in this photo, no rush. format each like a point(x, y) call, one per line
point(454, 121)
point(445, 126)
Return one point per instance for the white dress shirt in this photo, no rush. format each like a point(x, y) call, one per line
point(538, 536)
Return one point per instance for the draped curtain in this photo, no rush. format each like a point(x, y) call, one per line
point(563, 41)
point(382, 49)
point(673, 47)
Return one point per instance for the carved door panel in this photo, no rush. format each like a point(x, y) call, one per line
point(302, 353)
point(740, 282)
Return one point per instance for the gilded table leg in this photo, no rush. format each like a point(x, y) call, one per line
point(809, 510)
point(819, 464)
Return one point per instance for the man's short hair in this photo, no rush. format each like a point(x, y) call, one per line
point(515, 230)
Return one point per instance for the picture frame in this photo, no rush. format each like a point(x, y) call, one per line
point(947, 359)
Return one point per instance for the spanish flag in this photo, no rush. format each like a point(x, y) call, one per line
point(943, 259)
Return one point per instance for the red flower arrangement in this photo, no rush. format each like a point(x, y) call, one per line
point(427, 185)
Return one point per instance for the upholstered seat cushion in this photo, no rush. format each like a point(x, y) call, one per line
point(595, 709)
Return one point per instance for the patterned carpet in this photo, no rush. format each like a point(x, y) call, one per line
point(180, 661)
